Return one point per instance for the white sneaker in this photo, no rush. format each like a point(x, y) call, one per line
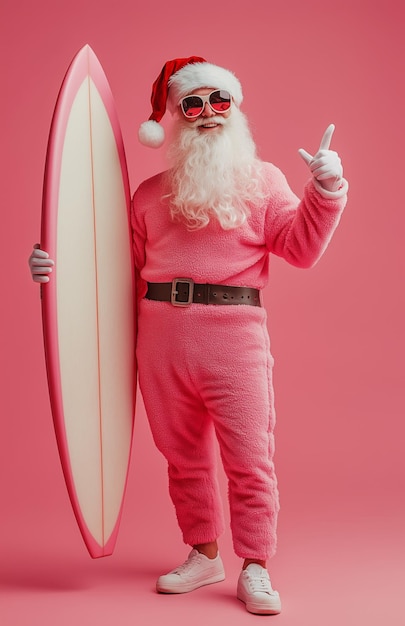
point(197, 571)
point(254, 589)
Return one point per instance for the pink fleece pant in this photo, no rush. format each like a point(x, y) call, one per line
point(206, 371)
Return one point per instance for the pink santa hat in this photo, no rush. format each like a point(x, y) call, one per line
point(177, 79)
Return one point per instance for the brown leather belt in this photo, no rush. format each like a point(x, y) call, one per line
point(184, 292)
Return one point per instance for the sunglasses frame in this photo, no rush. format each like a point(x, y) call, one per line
point(205, 99)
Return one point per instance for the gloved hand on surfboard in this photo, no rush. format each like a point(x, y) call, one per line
point(40, 265)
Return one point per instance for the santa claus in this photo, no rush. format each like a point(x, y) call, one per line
point(203, 232)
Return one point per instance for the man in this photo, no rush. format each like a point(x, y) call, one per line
point(203, 232)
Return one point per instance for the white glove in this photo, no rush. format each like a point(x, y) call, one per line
point(325, 166)
point(40, 265)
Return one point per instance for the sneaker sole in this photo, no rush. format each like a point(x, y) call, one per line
point(187, 587)
point(261, 609)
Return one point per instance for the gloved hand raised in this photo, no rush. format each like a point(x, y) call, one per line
point(325, 165)
point(40, 265)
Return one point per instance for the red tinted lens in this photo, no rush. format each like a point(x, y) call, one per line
point(192, 106)
point(220, 101)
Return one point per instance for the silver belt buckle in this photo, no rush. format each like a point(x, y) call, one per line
point(174, 293)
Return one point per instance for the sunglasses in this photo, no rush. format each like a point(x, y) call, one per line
point(219, 101)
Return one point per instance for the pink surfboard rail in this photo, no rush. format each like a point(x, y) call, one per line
point(94, 444)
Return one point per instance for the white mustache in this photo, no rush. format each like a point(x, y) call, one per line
point(210, 120)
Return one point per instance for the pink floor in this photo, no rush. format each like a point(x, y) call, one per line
point(331, 568)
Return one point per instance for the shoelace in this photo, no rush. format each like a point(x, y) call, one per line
point(260, 584)
point(184, 567)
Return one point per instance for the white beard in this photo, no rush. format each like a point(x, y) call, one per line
point(214, 174)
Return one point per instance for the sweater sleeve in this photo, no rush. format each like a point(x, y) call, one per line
point(300, 231)
point(138, 230)
point(138, 240)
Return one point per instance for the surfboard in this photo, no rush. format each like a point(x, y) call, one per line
point(88, 306)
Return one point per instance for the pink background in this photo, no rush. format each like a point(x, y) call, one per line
point(337, 330)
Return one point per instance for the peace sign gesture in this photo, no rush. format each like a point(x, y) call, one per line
point(325, 165)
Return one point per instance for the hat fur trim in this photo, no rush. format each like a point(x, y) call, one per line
point(198, 75)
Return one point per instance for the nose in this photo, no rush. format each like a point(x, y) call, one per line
point(207, 111)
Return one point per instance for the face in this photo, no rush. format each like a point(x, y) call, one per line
point(205, 122)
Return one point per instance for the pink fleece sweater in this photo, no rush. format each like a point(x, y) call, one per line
point(298, 231)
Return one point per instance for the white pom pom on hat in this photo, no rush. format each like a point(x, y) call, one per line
point(151, 134)
point(177, 79)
